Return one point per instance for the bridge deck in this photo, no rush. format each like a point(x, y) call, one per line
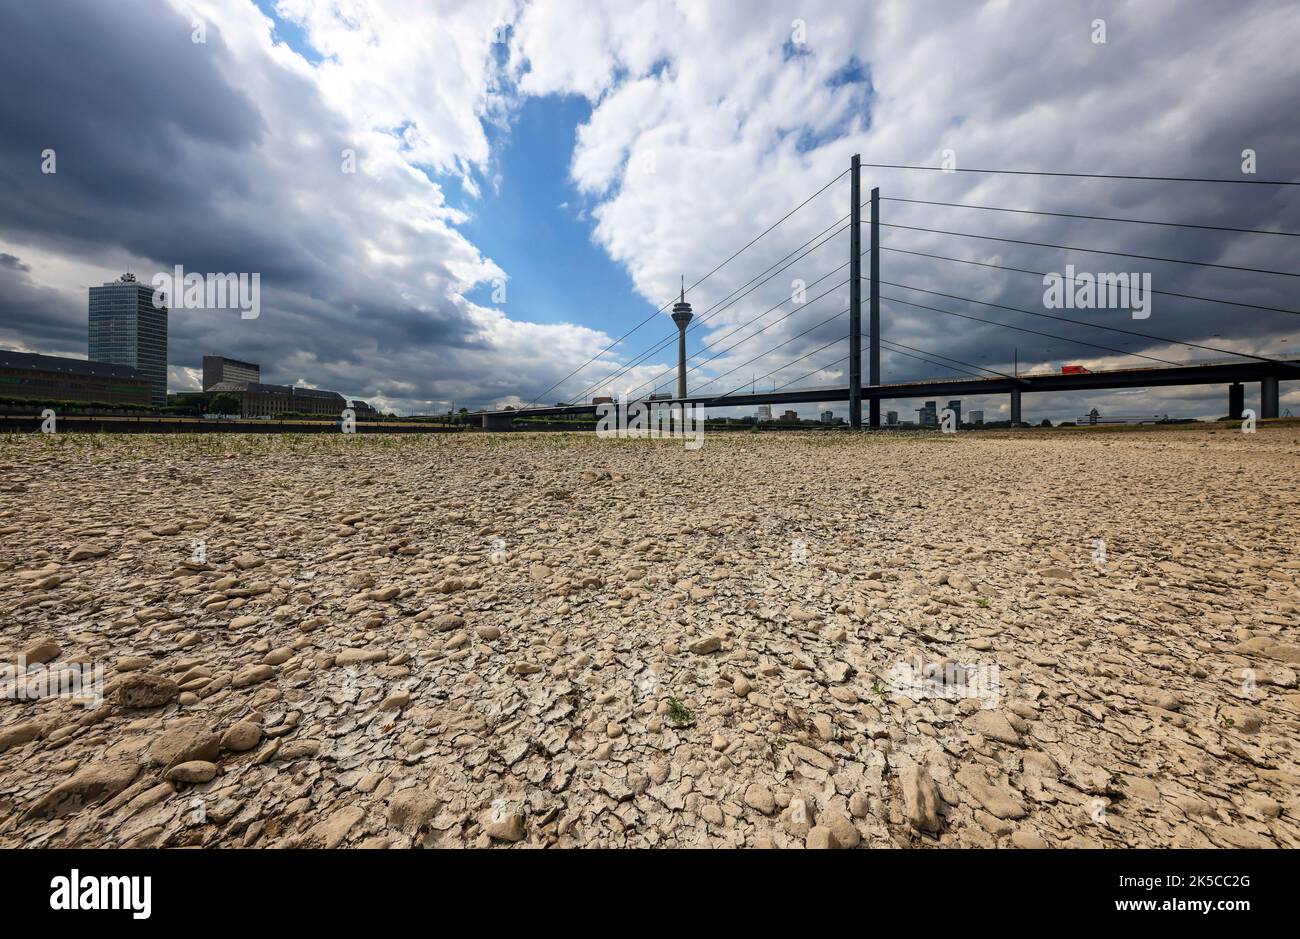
point(1216, 373)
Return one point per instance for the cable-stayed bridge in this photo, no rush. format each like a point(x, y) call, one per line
point(1230, 366)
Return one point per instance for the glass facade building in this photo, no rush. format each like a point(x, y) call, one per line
point(127, 329)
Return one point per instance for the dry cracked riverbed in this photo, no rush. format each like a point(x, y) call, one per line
point(1056, 638)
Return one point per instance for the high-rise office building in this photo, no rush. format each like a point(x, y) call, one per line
point(827, 416)
point(955, 406)
point(764, 412)
point(928, 416)
point(127, 329)
point(218, 368)
point(891, 418)
point(977, 417)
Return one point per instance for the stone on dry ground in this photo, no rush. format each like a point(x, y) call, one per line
point(481, 640)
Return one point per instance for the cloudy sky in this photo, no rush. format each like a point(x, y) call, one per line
point(532, 179)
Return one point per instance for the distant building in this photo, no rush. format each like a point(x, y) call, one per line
point(259, 400)
point(827, 416)
point(977, 417)
point(764, 412)
point(955, 407)
point(125, 328)
point(313, 400)
point(790, 416)
point(928, 416)
point(362, 409)
point(891, 418)
point(218, 368)
point(27, 376)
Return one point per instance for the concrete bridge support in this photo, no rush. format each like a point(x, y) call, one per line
point(1236, 400)
point(498, 422)
point(1268, 398)
point(1015, 406)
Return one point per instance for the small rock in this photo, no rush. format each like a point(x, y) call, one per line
point(94, 783)
point(195, 771)
point(503, 826)
point(41, 651)
point(821, 838)
point(252, 675)
point(395, 701)
point(920, 798)
point(411, 809)
point(760, 798)
point(242, 736)
point(143, 690)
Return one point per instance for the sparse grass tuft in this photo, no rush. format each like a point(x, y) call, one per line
point(679, 713)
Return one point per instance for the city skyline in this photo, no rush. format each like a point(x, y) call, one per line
point(450, 299)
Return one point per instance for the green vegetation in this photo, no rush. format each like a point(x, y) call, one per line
point(61, 407)
point(224, 403)
point(679, 713)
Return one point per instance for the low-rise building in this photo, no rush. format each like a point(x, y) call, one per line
point(31, 377)
point(261, 400)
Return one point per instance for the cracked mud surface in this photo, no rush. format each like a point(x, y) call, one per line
point(554, 640)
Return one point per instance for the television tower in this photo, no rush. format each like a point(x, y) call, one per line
point(681, 316)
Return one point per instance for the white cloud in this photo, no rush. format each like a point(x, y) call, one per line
point(693, 146)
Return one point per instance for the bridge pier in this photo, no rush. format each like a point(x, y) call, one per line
point(498, 422)
point(1236, 400)
point(1268, 398)
point(1015, 406)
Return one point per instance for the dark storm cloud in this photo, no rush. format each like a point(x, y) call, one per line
point(160, 156)
point(119, 93)
point(28, 309)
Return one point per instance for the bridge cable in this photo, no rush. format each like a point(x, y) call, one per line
point(787, 364)
point(774, 348)
point(1122, 254)
point(694, 285)
point(726, 301)
point(1023, 270)
point(1035, 332)
point(749, 322)
point(1162, 179)
point(1113, 329)
point(1094, 218)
